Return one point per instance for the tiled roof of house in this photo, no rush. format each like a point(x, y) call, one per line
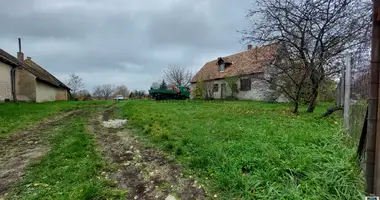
point(42, 74)
point(31, 67)
point(8, 58)
point(246, 62)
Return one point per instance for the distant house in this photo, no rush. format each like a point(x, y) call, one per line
point(246, 71)
point(24, 80)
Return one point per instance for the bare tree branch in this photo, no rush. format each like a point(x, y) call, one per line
point(104, 91)
point(177, 75)
point(317, 33)
point(75, 83)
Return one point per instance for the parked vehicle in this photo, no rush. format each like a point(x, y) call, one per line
point(175, 92)
point(119, 97)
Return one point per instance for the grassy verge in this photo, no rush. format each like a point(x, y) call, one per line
point(253, 150)
point(17, 116)
point(71, 169)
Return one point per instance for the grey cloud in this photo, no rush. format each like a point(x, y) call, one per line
point(124, 41)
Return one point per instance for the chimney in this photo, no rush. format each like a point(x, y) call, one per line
point(29, 58)
point(20, 55)
point(249, 46)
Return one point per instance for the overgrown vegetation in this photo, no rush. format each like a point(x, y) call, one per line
point(253, 150)
point(17, 116)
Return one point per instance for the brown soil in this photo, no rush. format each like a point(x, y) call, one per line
point(24, 147)
point(144, 172)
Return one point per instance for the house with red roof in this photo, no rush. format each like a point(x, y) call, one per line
point(240, 76)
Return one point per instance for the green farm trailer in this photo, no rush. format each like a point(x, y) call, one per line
point(175, 92)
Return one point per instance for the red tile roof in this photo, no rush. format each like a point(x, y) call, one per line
point(247, 62)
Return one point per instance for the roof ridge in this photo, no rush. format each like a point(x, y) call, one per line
point(32, 68)
point(247, 50)
point(45, 72)
point(242, 62)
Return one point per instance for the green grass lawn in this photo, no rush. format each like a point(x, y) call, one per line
point(252, 150)
point(17, 116)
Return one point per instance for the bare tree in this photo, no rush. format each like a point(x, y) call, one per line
point(315, 32)
point(177, 75)
point(288, 77)
point(231, 84)
point(208, 89)
point(232, 80)
point(361, 84)
point(83, 93)
point(108, 90)
point(155, 85)
point(121, 90)
point(75, 83)
point(204, 87)
point(104, 91)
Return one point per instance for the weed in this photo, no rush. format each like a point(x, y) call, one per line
point(254, 150)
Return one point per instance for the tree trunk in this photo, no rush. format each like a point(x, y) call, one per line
point(314, 92)
point(296, 105)
point(313, 100)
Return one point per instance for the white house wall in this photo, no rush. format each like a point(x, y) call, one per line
point(260, 91)
point(5, 82)
point(45, 92)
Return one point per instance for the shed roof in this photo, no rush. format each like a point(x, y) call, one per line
point(42, 74)
point(31, 67)
point(9, 59)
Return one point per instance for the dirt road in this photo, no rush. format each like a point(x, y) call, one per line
point(24, 147)
point(145, 172)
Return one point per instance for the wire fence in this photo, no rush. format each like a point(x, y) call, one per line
point(359, 103)
point(358, 95)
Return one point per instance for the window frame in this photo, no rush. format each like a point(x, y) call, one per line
point(220, 67)
point(215, 86)
point(245, 84)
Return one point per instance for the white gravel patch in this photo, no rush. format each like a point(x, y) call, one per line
point(114, 123)
point(170, 197)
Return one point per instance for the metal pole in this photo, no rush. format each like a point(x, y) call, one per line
point(347, 94)
point(341, 94)
point(372, 144)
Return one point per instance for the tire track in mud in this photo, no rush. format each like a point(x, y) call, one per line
point(24, 147)
point(144, 172)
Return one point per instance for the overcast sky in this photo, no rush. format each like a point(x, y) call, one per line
point(122, 41)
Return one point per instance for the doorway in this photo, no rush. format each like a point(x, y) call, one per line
point(223, 91)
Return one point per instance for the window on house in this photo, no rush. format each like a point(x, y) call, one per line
point(245, 84)
point(216, 88)
point(221, 67)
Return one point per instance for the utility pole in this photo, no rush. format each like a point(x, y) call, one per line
point(372, 155)
point(347, 94)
